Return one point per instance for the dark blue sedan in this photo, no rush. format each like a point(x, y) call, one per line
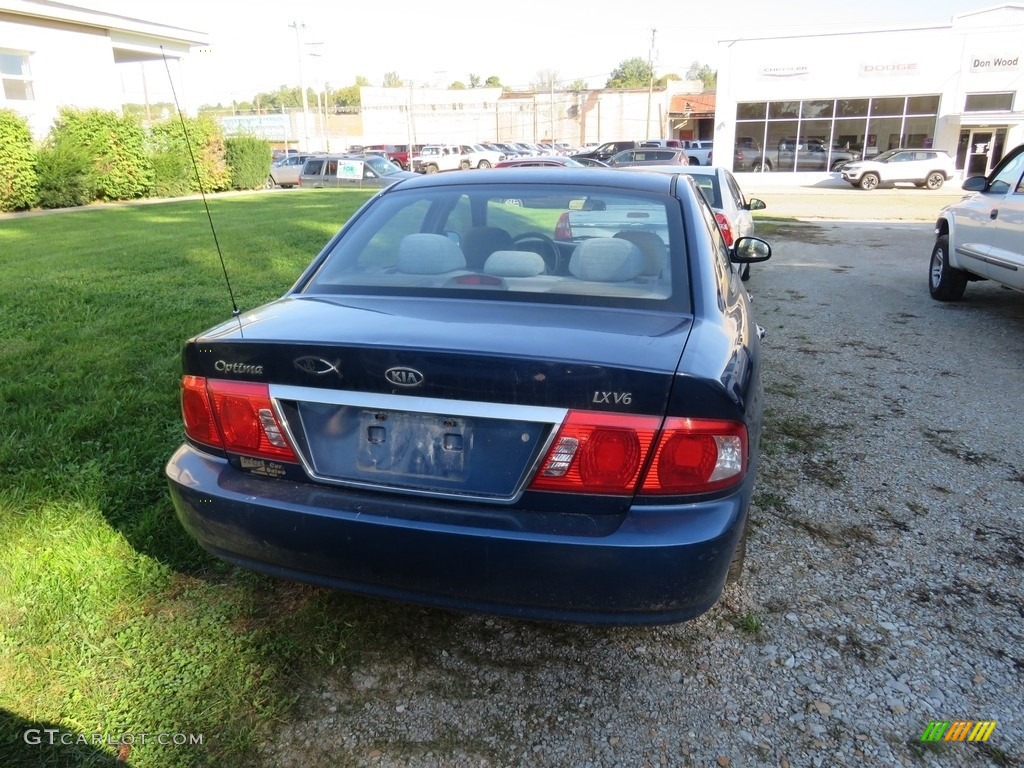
point(523, 392)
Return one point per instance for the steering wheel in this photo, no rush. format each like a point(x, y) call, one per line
point(552, 257)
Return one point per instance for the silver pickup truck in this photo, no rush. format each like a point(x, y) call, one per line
point(699, 152)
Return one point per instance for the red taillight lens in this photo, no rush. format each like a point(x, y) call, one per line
point(606, 453)
point(237, 416)
point(723, 224)
point(597, 453)
point(197, 413)
point(563, 229)
point(696, 456)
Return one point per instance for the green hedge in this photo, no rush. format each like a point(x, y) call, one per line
point(119, 164)
point(248, 158)
point(18, 181)
point(166, 138)
point(65, 175)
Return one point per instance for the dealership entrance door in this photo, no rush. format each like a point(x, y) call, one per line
point(979, 150)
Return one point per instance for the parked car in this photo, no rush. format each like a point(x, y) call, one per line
point(700, 152)
point(396, 153)
point(981, 237)
point(929, 168)
point(479, 156)
point(723, 193)
point(434, 158)
point(551, 161)
point(285, 171)
point(791, 154)
point(452, 407)
point(350, 171)
point(603, 152)
point(649, 156)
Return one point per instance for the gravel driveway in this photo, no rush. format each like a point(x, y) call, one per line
point(884, 583)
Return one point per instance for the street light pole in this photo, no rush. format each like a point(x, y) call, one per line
point(650, 87)
point(298, 27)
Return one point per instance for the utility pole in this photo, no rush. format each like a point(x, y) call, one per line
point(650, 87)
point(298, 27)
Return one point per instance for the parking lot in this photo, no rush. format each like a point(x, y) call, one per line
point(883, 588)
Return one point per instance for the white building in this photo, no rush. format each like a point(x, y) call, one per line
point(957, 86)
point(54, 55)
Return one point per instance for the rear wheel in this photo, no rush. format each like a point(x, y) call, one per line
point(694, 161)
point(868, 181)
point(761, 167)
point(935, 180)
point(945, 282)
point(269, 183)
point(484, 164)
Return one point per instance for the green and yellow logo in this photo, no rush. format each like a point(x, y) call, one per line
point(958, 730)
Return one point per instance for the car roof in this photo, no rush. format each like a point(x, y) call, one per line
point(599, 177)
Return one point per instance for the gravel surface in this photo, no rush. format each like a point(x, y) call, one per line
point(883, 586)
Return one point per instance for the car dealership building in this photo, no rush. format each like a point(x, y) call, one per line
point(957, 86)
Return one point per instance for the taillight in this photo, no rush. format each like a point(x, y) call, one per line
point(606, 453)
point(723, 224)
point(697, 456)
point(236, 416)
point(563, 229)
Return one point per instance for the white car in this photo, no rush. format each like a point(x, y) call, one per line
point(479, 156)
point(929, 168)
point(722, 192)
point(982, 236)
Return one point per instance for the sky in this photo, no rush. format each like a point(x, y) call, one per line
point(253, 47)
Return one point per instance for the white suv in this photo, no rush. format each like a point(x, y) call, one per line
point(982, 236)
point(929, 168)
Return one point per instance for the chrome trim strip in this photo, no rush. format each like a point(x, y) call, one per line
point(995, 261)
point(469, 408)
point(964, 251)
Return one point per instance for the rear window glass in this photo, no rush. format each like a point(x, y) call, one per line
point(549, 243)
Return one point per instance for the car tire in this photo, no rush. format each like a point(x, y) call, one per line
point(761, 167)
point(935, 180)
point(945, 282)
point(269, 183)
point(484, 164)
point(837, 166)
point(868, 181)
point(430, 168)
point(739, 557)
point(465, 165)
point(694, 160)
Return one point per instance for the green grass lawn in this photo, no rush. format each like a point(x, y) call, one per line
point(112, 621)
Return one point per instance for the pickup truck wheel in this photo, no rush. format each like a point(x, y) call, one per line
point(269, 183)
point(935, 180)
point(945, 282)
point(465, 165)
point(837, 166)
point(484, 164)
point(430, 168)
point(868, 181)
point(694, 161)
point(761, 167)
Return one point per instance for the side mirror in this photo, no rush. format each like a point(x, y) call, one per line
point(750, 250)
point(975, 184)
point(755, 204)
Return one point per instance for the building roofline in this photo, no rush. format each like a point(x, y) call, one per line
point(88, 17)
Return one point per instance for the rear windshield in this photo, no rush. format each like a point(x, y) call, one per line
point(550, 243)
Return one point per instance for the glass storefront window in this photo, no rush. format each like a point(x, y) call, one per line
point(757, 110)
point(989, 102)
point(922, 105)
point(887, 106)
point(883, 135)
point(852, 108)
point(783, 109)
point(817, 109)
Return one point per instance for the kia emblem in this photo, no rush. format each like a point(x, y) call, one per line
point(404, 377)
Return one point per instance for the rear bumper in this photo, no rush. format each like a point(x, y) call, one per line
point(656, 564)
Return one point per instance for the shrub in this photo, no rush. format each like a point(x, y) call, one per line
point(18, 179)
point(207, 146)
point(248, 158)
point(115, 146)
point(65, 177)
point(173, 175)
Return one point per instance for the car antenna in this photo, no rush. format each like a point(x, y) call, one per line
point(235, 311)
